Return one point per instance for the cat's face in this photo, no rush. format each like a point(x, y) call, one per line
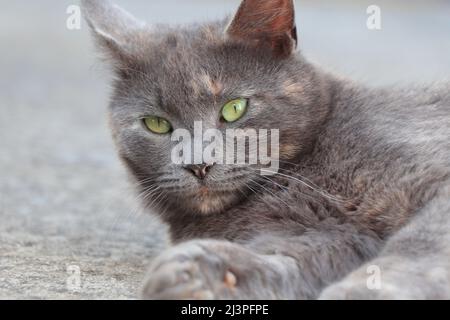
point(170, 78)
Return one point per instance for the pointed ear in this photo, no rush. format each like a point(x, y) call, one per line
point(116, 31)
point(269, 23)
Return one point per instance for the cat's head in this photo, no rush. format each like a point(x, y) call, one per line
point(227, 75)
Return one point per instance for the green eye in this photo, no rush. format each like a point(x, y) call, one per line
point(158, 125)
point(234, 110)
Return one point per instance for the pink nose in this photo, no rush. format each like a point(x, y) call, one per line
point(199, 170)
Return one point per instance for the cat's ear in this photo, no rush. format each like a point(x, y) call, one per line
point(116, 31)
point(268, 23)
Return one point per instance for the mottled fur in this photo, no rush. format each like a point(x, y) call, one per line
point(364, 177)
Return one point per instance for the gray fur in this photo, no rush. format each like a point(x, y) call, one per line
point(364, 177)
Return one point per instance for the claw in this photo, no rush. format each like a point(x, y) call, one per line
point(230, 280)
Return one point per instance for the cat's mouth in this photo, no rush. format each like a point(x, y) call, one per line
point(203, 190)
point(204, 193)
point(206, 200)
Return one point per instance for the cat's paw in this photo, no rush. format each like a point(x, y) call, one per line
point(206, 269)
point(391, 279)
point(178, 274)
point(356, 288)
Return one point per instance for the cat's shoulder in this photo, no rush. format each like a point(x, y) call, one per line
point(395, 99)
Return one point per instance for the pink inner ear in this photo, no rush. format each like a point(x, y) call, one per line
point(284, 21)
point(268, 16)
point(273, 20)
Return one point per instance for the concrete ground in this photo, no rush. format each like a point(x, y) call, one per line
point(65, 204)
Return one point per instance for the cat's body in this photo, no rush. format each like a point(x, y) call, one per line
point(364, 174)
point(383, 152)
point(392, 160)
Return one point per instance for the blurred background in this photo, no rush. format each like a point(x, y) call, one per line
point(65, 204)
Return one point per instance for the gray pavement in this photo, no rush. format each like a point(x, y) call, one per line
point(64, 198)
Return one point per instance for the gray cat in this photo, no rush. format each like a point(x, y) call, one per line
point(363, 188)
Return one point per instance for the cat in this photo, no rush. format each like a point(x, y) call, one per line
point(364, 174)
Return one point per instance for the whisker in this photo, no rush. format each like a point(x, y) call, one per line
point(277, 197)
point(311, 197)
point(321, 192)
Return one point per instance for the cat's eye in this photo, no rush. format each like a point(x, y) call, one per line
point(158, 125)
point(234, 110)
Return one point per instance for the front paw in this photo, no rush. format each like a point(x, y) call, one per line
point(188, 271)
point(356, 288)
point(391, 279)
point(208, 270)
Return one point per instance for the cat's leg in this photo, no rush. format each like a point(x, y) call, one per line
point(415, 263)
point(271, 266)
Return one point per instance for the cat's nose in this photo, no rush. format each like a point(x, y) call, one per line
point(199, 170)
